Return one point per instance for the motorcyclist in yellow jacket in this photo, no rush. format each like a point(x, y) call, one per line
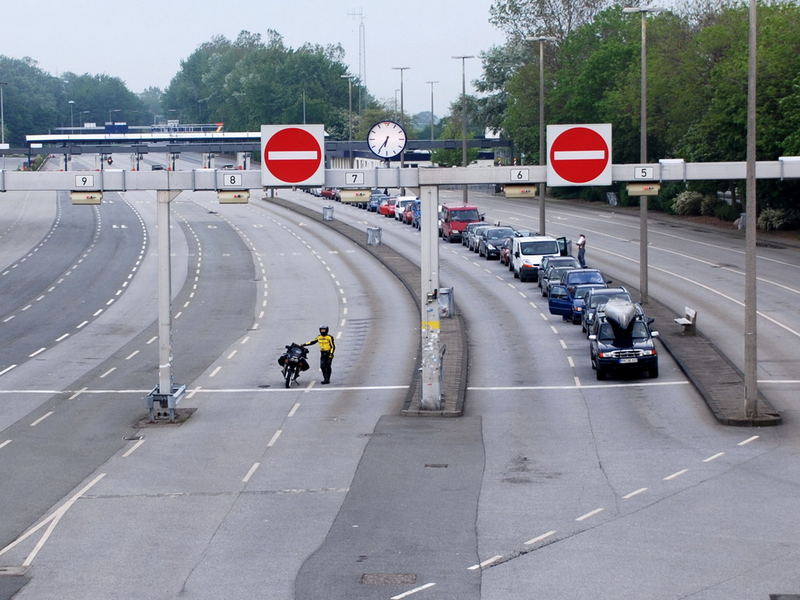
point(326, 349)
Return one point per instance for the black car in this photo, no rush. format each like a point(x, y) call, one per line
point(613, 349)
point(490, 240)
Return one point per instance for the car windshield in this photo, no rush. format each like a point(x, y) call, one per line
point(586, 277)
point(494, 234)
point(541, 247)
point(638, 332)
point(470, 214)
point(580, 292)
point(598, 299)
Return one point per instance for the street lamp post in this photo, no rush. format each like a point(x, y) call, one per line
point(349, 116)
point(112, 110)
point(402, 114)
point(463, 59)
point(643, 149)
point(431, 84)
point(542, 154)
point(2, 114)
point(396, 115)
point(71, 121)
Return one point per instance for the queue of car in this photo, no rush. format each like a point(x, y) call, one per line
point(619, 333)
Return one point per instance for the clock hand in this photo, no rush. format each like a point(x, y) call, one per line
point(384, 142)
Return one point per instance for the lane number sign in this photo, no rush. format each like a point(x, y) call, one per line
point(520, 175)
point(643, 173)
point(232, 180)
point(354, 177)
point(84, 181)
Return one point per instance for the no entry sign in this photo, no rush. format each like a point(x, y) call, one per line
point(579, 154)
point(292, 155)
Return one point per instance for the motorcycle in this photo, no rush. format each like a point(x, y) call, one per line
point(293, 362)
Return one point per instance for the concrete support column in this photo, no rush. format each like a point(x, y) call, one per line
point(429, 269)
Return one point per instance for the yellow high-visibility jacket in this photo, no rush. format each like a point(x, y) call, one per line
point(326, 343)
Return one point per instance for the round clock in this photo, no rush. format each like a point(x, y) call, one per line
point(386, 139)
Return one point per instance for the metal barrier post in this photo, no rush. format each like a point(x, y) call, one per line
point(327, 213)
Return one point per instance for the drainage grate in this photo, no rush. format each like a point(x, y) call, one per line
point(388, 578)
point(436, 466)
point(784, 597)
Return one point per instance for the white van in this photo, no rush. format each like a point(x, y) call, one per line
point(527, 253)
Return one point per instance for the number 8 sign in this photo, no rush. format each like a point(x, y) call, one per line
point(232, 180)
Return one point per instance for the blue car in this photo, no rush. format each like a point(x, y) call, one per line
point(569, 301)
point(375, 201)
point(416, 214)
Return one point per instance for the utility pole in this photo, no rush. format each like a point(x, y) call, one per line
point(431, 83)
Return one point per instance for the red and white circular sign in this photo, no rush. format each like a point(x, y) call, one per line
point(579, 155)
point(292, 155)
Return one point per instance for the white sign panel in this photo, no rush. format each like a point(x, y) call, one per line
point(292, 155)
point(232, 180)
point(84, 181)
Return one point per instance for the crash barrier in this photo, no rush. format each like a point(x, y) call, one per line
point(446, 302)
point(327, 213)
point(374, 236)
point(688, 321)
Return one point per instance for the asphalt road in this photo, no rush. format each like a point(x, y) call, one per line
point(553, 485)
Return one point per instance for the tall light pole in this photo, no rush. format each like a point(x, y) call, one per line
point(431, 83)
point(71, 122)
point(349, 116)
point(542, 154)
point(396, 93)
point(463, 60)
point(402, 114)
point(304, 106)
point(112, 110)
point(750, 314)
point(643, 149)
point(2, 114)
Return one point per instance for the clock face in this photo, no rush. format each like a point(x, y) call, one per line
point(387, 139)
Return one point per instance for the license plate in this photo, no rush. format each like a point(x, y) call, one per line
point(627, 361)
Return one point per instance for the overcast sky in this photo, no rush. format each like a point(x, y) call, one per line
point(143, 41)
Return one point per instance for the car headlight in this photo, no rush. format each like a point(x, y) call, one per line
point(578, 308)
point(490, 247)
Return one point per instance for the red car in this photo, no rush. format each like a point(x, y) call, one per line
point(408, 215)
point(387, 207)
point(331, 193)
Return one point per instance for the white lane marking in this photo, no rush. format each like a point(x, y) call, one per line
point(274, 439)
point(568, 387)
point(62, 337)
point(676, 474)
point(571, 362)
point(39, 351)
point(713, 457)
point(193, 392)
point(215, 371)
point(245, 339)
point(309, 386)
point(4, 444)
point(97, 312)
point(414, 591)
point(294, 409)
point(563, 344)
point(539, 538)
point(522, 294)
point(485, 563)
point(232, 354)
point(133, 448)
point(131, 355)
point(42, 418)
point(634, 493)
point(500, 278)
point(748, 440)
point(577, 381)
point(151, 340)
point(82, 325)
point(589, 514)
point(53, 519)
point(76, 394)
point(252, 470)
point(553, 329)
point(111, 370)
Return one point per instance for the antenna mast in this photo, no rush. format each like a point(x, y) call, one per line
point(362, 56)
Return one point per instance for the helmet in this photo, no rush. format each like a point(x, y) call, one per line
point(323, 329)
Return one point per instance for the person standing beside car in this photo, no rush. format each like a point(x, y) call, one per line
point(581, 243)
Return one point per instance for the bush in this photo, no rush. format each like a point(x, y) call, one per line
point(708, 206)
point(726, 212)
point(778, 218)
point(687, 203)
